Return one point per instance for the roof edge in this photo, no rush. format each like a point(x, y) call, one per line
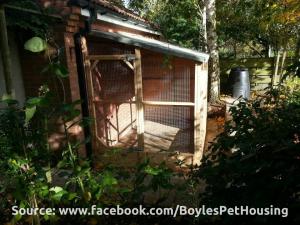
point(153, 45)
point(113, 20)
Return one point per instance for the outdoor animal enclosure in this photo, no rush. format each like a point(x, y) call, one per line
point(145, 100)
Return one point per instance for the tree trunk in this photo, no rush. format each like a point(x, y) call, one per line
point(5, 52)
point(283, 63)
point(297, 51)
point(212, 44)
point(204, 29)
point(276, 68)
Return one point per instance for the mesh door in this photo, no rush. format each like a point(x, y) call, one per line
point(168, 128)
point(113, 91)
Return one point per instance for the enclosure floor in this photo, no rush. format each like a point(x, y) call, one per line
point(157, 138)
point(153, 147)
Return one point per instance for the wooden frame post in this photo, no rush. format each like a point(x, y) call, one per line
point(138, 85)
point(90, 92)
point(200, 111)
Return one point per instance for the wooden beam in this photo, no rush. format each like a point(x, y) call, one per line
point(200, 111)
point(162, 103)
point(90, 94)
point(111, 57)
point(94, 65)
point(107, 101)
point(138, 84)
point(5, 52)
point(128, 64)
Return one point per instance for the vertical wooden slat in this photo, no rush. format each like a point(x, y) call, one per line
point(138, 84)
point(200, 110)
point(90, 91)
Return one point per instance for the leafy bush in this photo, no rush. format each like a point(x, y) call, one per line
point(34, 176)
point(31, 177)
point(256, 160)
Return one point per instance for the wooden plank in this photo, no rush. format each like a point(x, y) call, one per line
point(94, 64)
point(128, 64)
point(138, 85)
point(111, 57)
point(107, 101)
point(200, 111)
point(162, 103)
point(90, 94)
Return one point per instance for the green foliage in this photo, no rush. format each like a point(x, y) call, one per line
point(255, 161)
point(39, 23)
point(257, 23)
point(179, 21)
point(32, 177)
point(35, 44)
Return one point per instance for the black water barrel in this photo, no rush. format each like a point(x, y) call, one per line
point(240, 82)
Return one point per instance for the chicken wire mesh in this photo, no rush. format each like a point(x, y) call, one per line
point(167, 128)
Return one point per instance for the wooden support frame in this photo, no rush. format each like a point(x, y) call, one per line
point(111, 57)
point(90, 91)
point(138, 85)
point(128, 64)
point(163, 103)
point(125, 58)
point(200, 111)
point(113, 101)
point(200, 103)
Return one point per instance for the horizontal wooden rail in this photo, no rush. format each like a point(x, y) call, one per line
point(114, 102)
point(162, 103)
point(111, 57)
point(159, 103)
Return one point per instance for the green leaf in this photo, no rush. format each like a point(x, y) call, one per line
point(17, 217)
point(109, 180)
point(46, 217)
point(29, 113)
point(34, 101)
point(60, 70)
point(49, 176)
point(71, 196)
point(152, 171)
point(61, 164)
point(56, 189)
point(43, 191)
point(57, 196)
point(35, 44)
point(8, 100)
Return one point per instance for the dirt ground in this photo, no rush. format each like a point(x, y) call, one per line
point(215, 123)
point(127, 158)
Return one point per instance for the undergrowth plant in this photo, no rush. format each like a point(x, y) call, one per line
point(255, 162)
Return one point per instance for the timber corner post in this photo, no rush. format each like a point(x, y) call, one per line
point(200, 111)
point(90, 91)
point(138, 86)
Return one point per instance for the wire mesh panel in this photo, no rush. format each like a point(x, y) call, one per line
point(167, 79)
point(114, 95)
point(168, 128)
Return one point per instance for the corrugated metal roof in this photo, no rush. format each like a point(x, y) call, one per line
point(152, 44)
